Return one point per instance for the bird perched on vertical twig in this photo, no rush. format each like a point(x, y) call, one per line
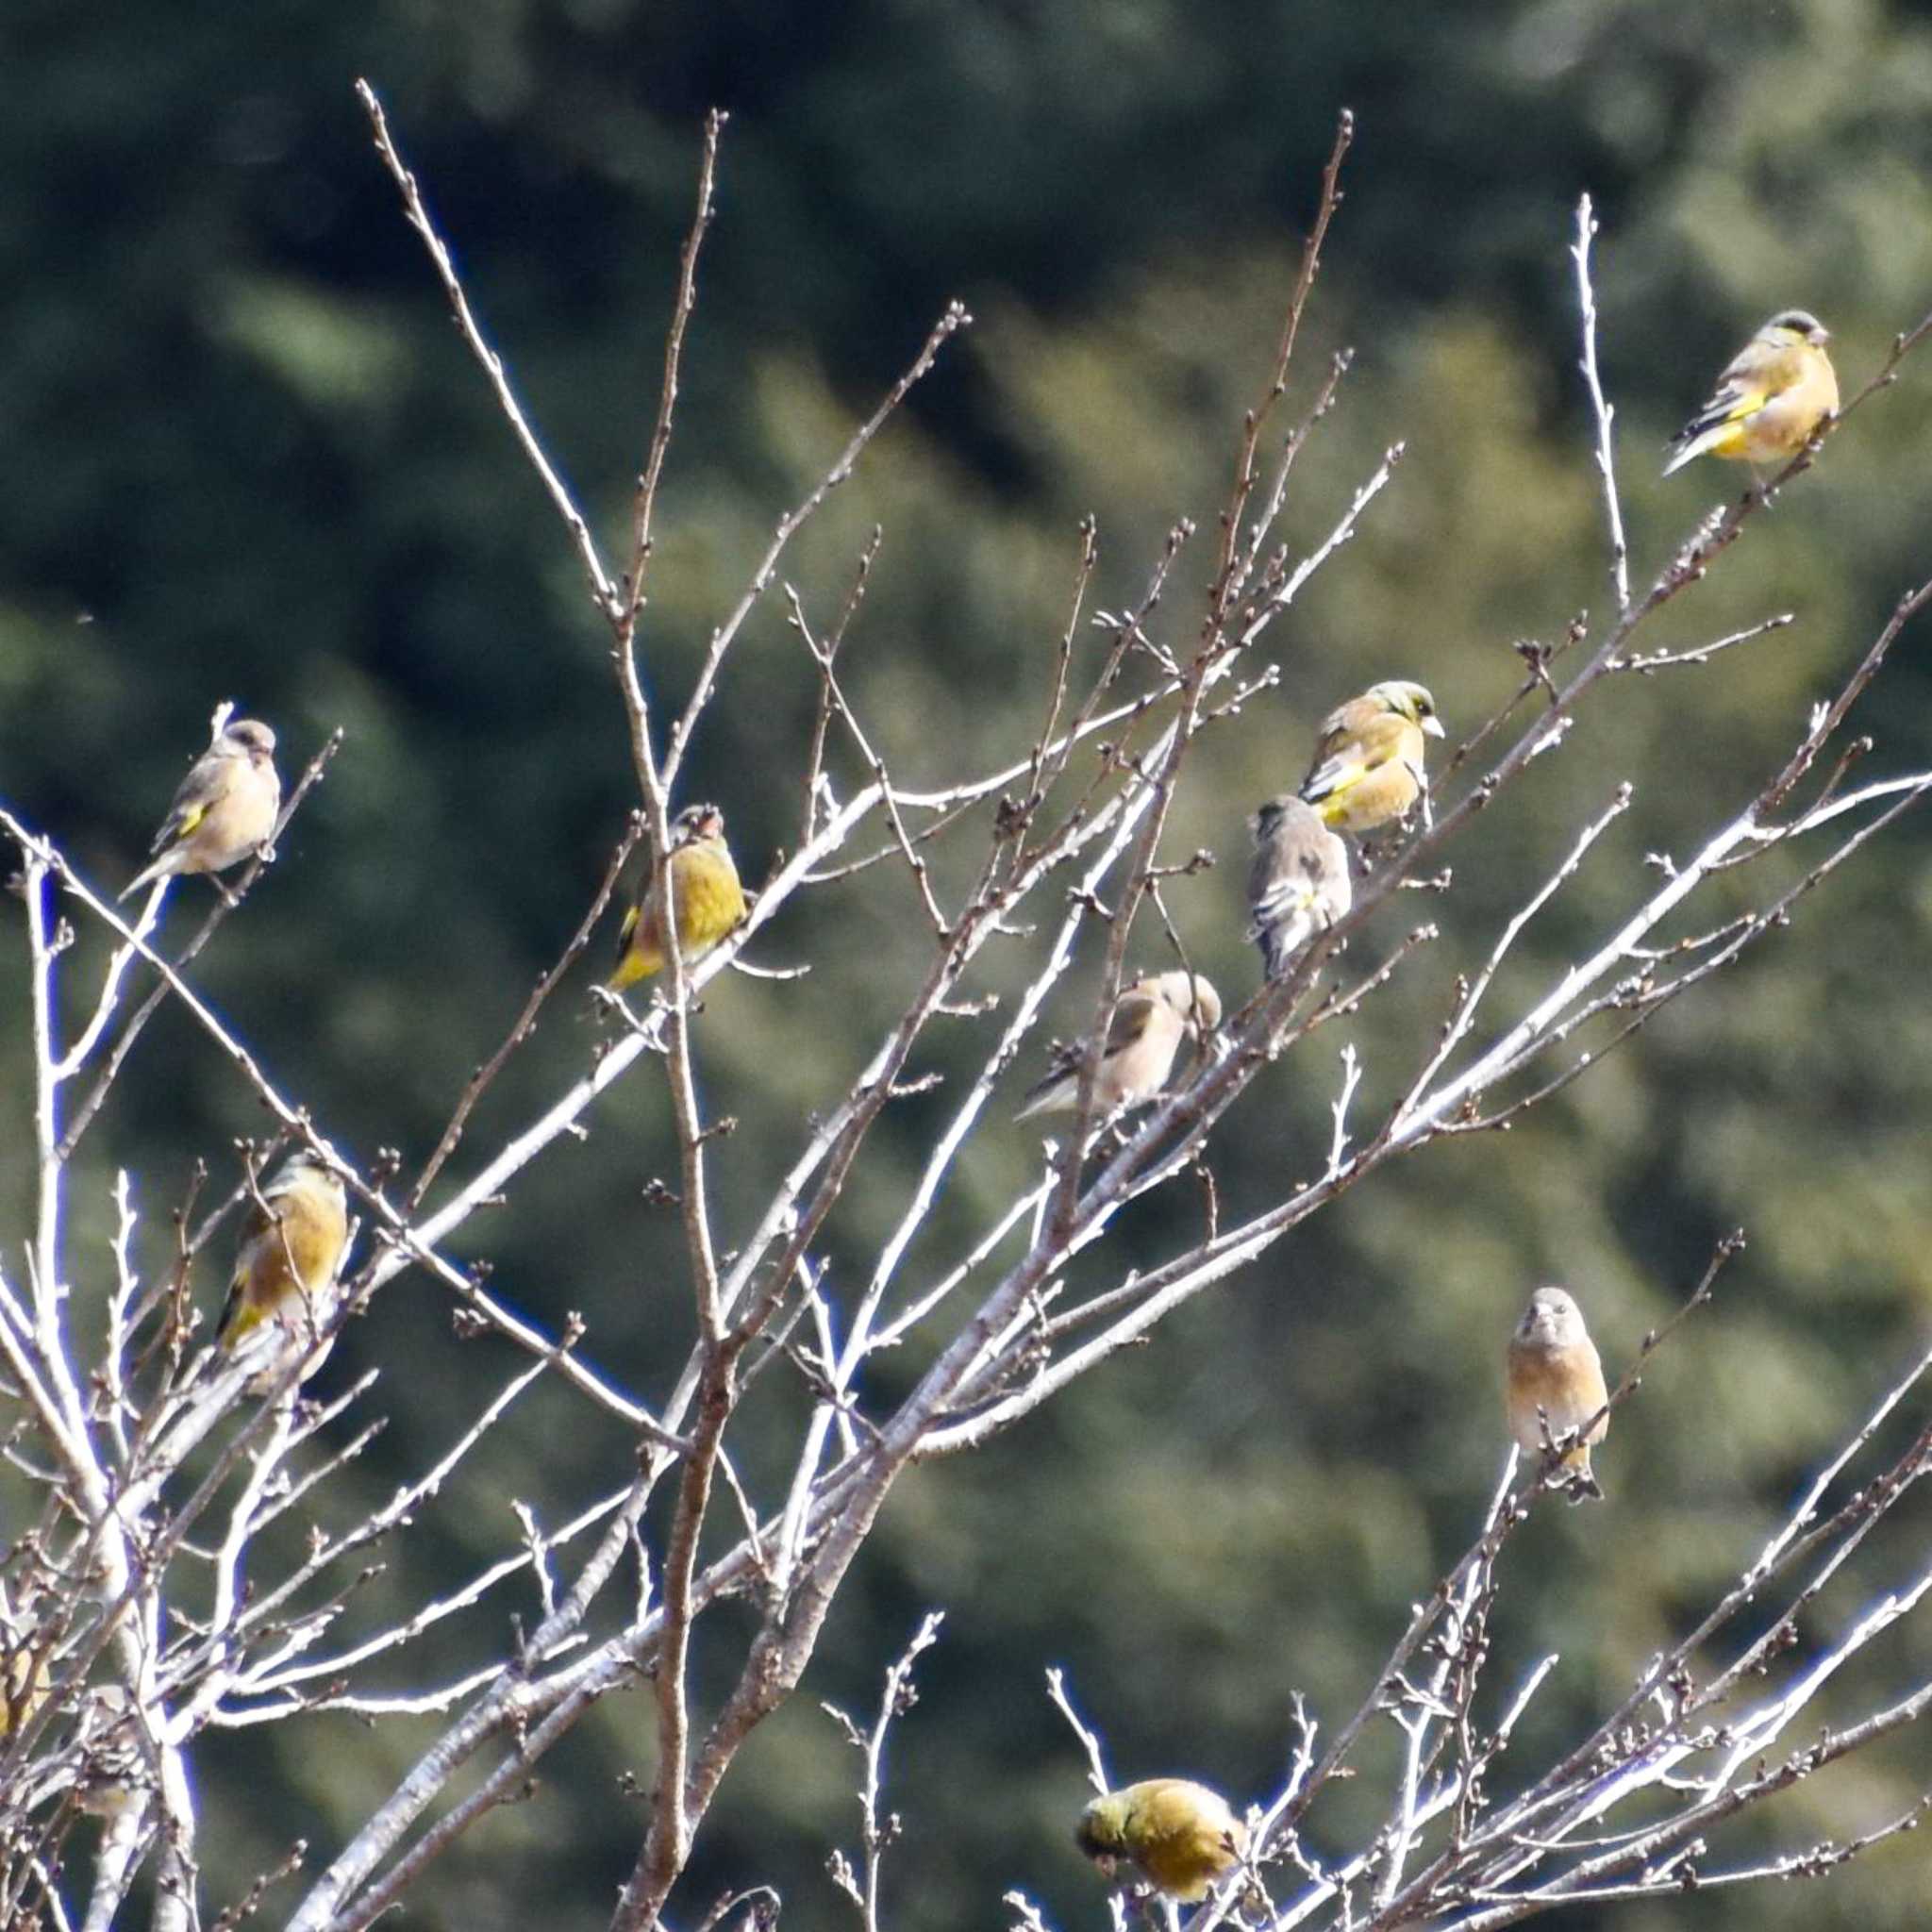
point(225, 810)
point(1772, 396)
point(1181, 1836)
point(23, 1682)
point(1554, 1368)
point(705, 890)
point(291, 1247)
point(1298, 883)
point(1369, 757)
point(1150, 1019)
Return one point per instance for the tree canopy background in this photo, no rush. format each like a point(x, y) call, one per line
point(248, 458)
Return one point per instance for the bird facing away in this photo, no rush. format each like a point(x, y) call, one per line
point(1553, 1366)
point(1150, 1019)
point(1368, 765)
point(704, 889)
point(1298, 883)
point(1181, 1836)
point(1775, 391)
point(288, 1255)
point(225, 807)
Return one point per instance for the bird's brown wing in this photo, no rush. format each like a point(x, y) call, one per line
point(1132, 1015)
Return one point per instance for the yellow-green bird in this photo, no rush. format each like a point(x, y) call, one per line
point(290, 1253)
point(1554, 1367)
point(1298, 883)
point(1150, 1019)
point(225, 810)
point(1369, 759)
point(705, 890)
point(1776, 390)
point(1181, 1836)
point(23, 1685)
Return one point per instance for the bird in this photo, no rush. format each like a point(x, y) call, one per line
point(225, 810)
point(1150, 1019)
point(1554, 1367)
point(705, 888)
point(291, 1247)
point(1181, 1836)
point(1368, 765)
point(23, 1684)
point(1298, 883)
point(1774, 393)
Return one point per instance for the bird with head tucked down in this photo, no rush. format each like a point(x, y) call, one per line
point(1556, 1378)
point(224, 808)
point(291, 1247)
point(1772, 396)
point(1369, 757)
point(1181, 1836)
point(1298, 883)
point(1150, 1019)
point(705, 890)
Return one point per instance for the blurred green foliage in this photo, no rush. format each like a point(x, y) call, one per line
point(249, 458)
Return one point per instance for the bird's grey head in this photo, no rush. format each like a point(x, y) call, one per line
point(1552, 1318)
point(1267, 818)
point(251, 737)
point(1798, 321)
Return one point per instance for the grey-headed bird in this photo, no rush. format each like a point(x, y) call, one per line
point(1772, 396)
point(1554, 1367)
point(1298, 883)
point(286, 1266)
point(224, 808)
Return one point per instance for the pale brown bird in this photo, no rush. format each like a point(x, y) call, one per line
point(1298, 883)
point(705, 888)
point(1369, 757)
point(1181, 1836)
point(1772, 396)
point(225, 810)
point(1150, 1019)
point(1554, 1367)
point(287, 1262)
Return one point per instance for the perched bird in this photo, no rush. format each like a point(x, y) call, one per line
point(1777, 389)
point(1367, 766)
point(1298, 883)
point(1554, 1367)
point(1180, 1835)
point(225, 808)
point(1150, 1019)
point(23, 1685)
point(705, 890)
point(287, 1262)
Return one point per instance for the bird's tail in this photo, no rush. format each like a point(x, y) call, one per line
point(1697, 435)
point(160, 869)
point(238, 1319)
point(1053, 1095)
point(1282, 938)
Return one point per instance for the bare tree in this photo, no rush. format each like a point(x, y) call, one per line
point(144, 1607)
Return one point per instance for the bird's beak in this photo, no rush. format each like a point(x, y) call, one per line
point(1433, 725)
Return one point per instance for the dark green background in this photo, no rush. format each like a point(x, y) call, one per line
point(247, 457)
